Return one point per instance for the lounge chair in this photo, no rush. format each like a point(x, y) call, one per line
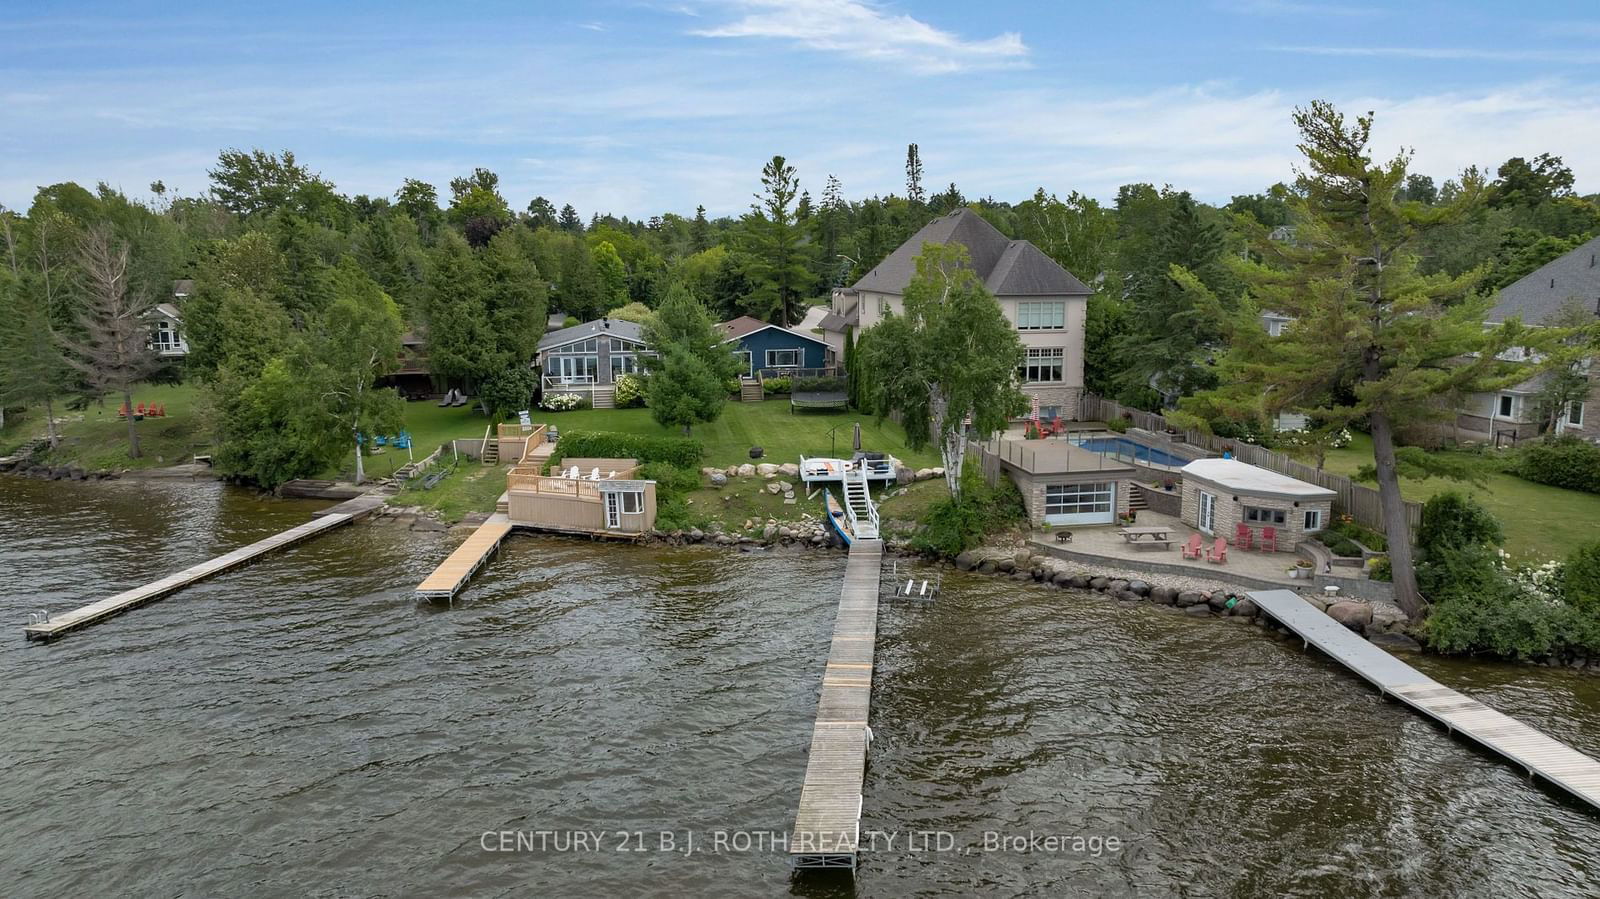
point(1218, 552)
point(1243, 537)
point(1269, 540)
point(449, 397)
point(594, 473)
point(1191, 550)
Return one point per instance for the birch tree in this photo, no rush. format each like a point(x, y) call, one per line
point(952, 357)
point(354, 343)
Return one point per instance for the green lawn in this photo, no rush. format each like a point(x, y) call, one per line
point(768, 425)
point(471, 487)
point(94, 437)
point(1540, 522)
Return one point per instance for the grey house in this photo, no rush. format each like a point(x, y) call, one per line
point(1043, 301)
point(1567, 285)
point(587, 359)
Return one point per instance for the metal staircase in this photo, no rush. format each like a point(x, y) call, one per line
point(858, 505)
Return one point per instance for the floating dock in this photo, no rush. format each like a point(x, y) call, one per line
point(454, 572)
point(827, 828)
point(96, 612)
point(1530, 749)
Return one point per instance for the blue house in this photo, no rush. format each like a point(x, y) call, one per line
point(771, 349)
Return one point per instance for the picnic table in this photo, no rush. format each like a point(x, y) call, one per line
point(1147, 536)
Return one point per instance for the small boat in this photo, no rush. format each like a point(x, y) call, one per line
point(838, 522)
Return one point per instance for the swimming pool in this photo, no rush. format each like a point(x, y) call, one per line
point(1129, 449)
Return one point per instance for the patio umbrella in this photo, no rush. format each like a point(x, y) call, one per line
point(857, 438)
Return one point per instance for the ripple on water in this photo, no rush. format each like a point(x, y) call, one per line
point(303, 726)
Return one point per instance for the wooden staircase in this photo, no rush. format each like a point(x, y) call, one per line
point(603, 398)
point(750, 390)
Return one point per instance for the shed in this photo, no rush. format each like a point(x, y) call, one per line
point(1225, 496)
point(1062, 484)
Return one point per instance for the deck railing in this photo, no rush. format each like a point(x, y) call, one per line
point(530, 481)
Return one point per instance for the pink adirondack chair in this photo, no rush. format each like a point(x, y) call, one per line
point(1269, 540)
point(1191, 550)
point(1218, 551)
point(1243, 537)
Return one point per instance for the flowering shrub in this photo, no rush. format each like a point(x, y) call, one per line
point(1541, 581)
point(630, 391)
point(562, 402)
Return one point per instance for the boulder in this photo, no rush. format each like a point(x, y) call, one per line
point(718, 479)
point(1040, 574)
point(938, 471)
point(695, 535)
point(1246, 608)
point(785, 532)
point(1395, 642)
point(904, 475)
point(773, 488)
point(789, 469)
point(1020, 575)
point(1139, 588)
point(1387, 619)
point(1199, 610)
point(709, 471)
point(966, 561)
point(770, 531)
point(1217, 600)
point(1006, 565)
point(1098, 583)
point(786, 486)
point(731, 471)
point(1163, 594)
point(924, 474)
point(1061, 578)
point(1079, 582)
point(1023, 558)
point(987, 566)
point(747, 470)
point(1189, 598)
point(1116, 587)
point(1353, 615)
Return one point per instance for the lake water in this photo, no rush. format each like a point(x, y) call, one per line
point(303, 726)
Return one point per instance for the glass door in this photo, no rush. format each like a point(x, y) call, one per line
point(1208, 512)
point(613, 510)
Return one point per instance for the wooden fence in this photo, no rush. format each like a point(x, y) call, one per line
point(1356, 500)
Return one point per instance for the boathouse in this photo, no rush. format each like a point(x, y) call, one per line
point(604, 497)
point(1062, 484)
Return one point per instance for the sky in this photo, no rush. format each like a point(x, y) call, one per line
point(638, 107)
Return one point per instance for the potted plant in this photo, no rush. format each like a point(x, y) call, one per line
point(1169, 485)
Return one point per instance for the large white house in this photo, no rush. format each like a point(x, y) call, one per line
point(166, 323)
point(1569, 284)
point(1044, 301)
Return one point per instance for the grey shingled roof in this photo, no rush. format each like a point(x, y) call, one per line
point(1574, 276)
point(1007, 267)
point(600, 326)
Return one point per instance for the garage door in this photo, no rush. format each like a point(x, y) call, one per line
point(1080, 503)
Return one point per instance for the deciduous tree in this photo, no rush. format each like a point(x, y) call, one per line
point(113, 353)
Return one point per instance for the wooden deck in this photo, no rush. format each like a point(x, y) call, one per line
point(827, 827)
point(113, 605)
point(1530, 749)
point(454, 572)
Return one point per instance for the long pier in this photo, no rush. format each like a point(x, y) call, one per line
point(457, 568)
point(827, 828)
point(1532, 750)
point(96, 612)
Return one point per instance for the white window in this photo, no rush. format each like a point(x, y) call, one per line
point(1258, 515)
point(1044, 365)
point(1041, 316)
point(1575, 414)
point(783, 358)
point(883, 306)
point(1313, 520)
point(1506, 401)
point(632, 503)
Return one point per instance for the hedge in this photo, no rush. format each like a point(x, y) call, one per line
point(683, 452)
point(1562, 462)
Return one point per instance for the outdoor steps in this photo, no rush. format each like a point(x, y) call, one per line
point(603, 398)
point(503, 504)
point(1136, 500)
point(491, 451)
point(750, 390)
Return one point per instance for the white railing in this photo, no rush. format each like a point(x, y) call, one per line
point(857, 492)
point(569, 380)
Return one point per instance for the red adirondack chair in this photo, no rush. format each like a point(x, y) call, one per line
point(1243, 537)
point(123, 412)
point(1218, 551)
point(1269, 540)
point(1191, 550)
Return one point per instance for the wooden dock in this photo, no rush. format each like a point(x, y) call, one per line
point(1530, 749)
point(454, 572)
point(827, 828)
point(95, 612)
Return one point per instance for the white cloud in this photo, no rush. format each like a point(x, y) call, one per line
point(1581, 57)
point(864, 30)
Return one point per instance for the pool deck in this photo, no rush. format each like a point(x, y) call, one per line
point(1101, 544)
